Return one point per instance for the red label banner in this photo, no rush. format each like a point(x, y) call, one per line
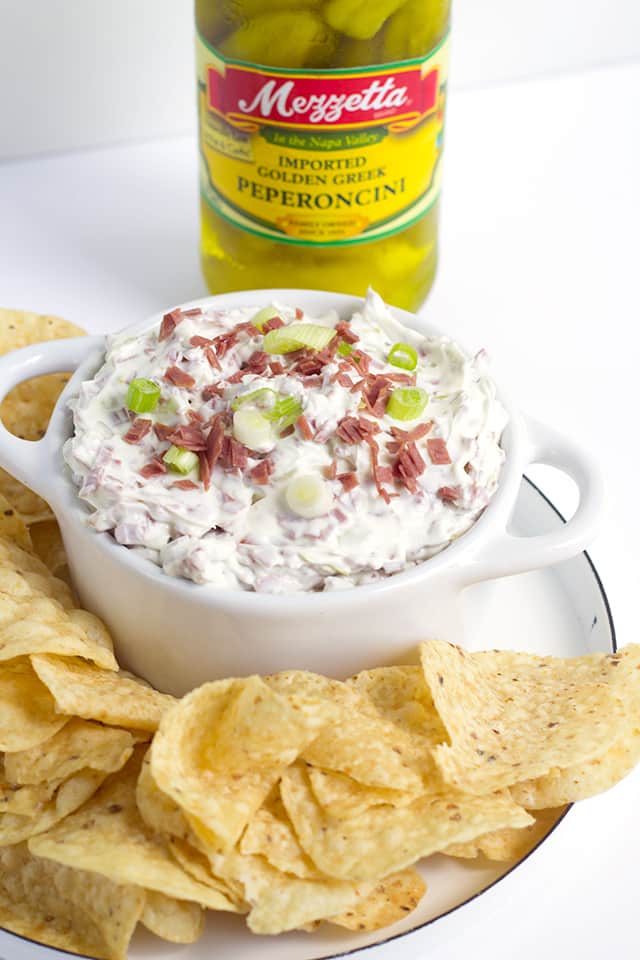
point(248, 98)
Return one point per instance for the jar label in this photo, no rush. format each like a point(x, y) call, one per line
point(321, 157)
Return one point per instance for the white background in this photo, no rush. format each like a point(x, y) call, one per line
point(539, 264)
point(76, 73)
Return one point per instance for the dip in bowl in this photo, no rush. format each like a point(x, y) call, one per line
point(225, 448)
point(231, 504)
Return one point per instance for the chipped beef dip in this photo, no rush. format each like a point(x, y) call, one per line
point(277, 452)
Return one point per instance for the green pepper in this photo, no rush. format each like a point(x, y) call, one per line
point(217, 19)
point(247, 9)
point(415, 29)
point(214, 20)
point(403, 266)
point(360, 18)
point(359, 53)
point(290, 39)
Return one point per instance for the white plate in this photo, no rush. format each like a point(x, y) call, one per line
point(561, 611)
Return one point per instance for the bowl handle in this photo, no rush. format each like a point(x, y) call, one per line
point(506, 554)
point(29, 461)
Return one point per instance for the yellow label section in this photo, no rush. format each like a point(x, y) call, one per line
point(325, 157)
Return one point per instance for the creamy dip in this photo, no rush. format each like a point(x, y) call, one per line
point(301, 454)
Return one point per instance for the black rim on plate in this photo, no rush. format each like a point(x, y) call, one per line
point(475, 896)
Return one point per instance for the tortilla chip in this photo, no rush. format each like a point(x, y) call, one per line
point(74, 791)
point(390, 900)
point(402, 695)
point(17, 828)
point(46, 585)
point(26, 410)
point(506, 845)
point(28, 715)
point(387, 761)
point(514, 716)
point(387, 839)
point(340, 796)
point(12, 525)
point(82, 690)
point(289, 904)
point(270, 834)
point(38, 624)
point(581, 781)
point(24, 800)
point(13, 584)
point(20, 328)
point(35, 633)
point(29, 505)
point(159, 812)
point(24, 575)
point(313, 685)
point(47, 544)
point(14, 610)
point(390, 759)
point(94, 628)
point(21, 561)
point(178, 921)
point(80, 744)
point(64, 908)
point(194, 862)
point(220, 750)
point(70, 795)
point(109, 837)
point(280, 902)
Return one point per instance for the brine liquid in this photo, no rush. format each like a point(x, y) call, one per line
point(302, 85)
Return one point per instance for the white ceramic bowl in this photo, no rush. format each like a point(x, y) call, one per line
point(178, 634)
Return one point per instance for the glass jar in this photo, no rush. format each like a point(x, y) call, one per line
point(321, 135)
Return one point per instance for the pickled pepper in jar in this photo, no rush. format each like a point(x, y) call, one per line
point(321, 137)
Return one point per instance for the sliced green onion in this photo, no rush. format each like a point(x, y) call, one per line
point(180, 460)
point(309, 497)
point(142, 395)
point(264, 399)
point(407, 403)
point(297, 336)
point(271, 406)
point(171, 405)
point(252, 428)
point(263, 316)
point(345, 349)
point(403, 355)
point(285, 412)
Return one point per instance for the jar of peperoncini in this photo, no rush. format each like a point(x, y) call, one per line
point(321, 137)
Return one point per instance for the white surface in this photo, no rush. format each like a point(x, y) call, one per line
point(79, 73)
point(539, 263)
point(498, 41)
point(75, 73)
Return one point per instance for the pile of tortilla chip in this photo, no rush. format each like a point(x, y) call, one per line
point(292, 799)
